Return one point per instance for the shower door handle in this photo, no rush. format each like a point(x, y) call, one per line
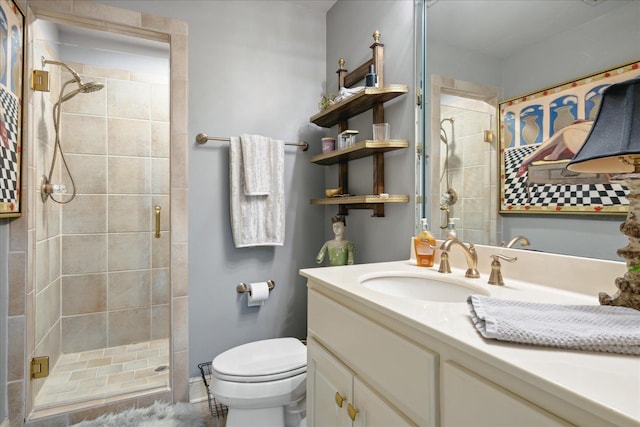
point(158, 222)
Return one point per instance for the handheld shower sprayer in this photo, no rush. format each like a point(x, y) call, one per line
point(47, 189)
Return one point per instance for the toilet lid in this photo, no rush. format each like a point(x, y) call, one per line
point(264, 360)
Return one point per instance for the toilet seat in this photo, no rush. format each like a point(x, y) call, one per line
point(261, 361)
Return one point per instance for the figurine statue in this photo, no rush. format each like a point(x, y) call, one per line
point(341, 251)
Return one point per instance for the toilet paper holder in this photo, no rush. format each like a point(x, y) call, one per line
point(244, 288)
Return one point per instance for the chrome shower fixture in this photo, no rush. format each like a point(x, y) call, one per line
point(450, 197)
point(47, 188)
point(82, 87)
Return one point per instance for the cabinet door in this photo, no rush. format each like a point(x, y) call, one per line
point(329, 388)
point(404, 373)
point(471, 400)
point(372, 410)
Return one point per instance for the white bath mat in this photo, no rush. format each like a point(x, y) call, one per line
point(157, 415)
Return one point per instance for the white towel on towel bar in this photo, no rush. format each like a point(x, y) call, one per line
point(257, 166)
point(257, 220)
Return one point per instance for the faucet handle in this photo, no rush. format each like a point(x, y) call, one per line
point(444, 263)
point(496, 274)
point(504, 258)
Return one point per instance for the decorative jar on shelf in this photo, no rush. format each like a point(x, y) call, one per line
point(328, 144)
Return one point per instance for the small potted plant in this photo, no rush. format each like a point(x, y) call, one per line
point(326, 101)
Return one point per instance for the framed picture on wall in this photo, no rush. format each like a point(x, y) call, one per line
point(540, 133)
point(11, 78)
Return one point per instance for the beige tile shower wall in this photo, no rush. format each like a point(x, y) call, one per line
point(111, 261)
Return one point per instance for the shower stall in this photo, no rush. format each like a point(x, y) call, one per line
point(102, 297)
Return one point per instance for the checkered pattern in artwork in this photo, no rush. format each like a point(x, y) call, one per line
point(9, 153)
point(517, 193)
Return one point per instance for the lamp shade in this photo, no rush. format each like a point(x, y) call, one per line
point(615, 133)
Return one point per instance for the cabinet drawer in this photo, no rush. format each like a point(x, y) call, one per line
point(471, 400)
point(399, 370)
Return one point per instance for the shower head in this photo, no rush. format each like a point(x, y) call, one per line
point(84, 88)
point(91, 87)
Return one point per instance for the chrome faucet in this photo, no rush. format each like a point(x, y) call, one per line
point(469, 252)
point(523, 241)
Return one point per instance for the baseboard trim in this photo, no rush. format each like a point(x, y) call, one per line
point(197, 391)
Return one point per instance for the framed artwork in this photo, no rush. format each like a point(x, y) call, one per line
point(11, 77)
point(540, 133)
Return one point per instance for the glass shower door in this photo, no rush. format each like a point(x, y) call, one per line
point(102, 288)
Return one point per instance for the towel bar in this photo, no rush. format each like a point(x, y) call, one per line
point(243, 287)
point(202, 138)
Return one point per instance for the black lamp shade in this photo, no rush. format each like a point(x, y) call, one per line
point(615, 132)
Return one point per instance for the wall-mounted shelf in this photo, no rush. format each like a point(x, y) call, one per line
point(373, 202)
point(370, 98)
point(356, 104)
point(354, 200)
point(359, 150)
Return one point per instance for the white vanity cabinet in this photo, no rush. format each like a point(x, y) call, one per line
point(340, 398)
point(387, 370)
point(360, 373)
point(390, 380)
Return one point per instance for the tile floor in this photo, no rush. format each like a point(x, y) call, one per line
point(105, 372)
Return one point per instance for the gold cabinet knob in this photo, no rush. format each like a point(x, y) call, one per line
point(353, 412)
point(340, 399)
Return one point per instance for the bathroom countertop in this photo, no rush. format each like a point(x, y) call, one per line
point(605, 383)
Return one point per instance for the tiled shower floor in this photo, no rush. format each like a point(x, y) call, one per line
point(105, 372)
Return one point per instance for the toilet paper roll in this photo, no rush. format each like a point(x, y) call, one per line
point(259, 294)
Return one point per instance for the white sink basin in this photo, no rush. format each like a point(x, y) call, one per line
point(422, 286)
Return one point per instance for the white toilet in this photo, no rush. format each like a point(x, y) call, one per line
point(263, 383)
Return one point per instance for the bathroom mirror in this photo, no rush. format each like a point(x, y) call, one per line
point(472, 64)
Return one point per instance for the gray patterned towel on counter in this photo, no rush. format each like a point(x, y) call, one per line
point(579, 327)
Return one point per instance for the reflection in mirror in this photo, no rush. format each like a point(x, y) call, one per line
point(499, 57)
point(462, 134)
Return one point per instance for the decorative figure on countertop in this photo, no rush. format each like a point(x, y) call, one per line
point(341, 251)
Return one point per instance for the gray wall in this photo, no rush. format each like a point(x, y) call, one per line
point(608, 41)
point(350, 25)
point(254, 67)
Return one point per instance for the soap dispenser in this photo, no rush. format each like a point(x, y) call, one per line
point(451, 229)
point(424, 245)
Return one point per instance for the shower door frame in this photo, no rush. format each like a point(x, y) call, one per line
point(175, 33)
